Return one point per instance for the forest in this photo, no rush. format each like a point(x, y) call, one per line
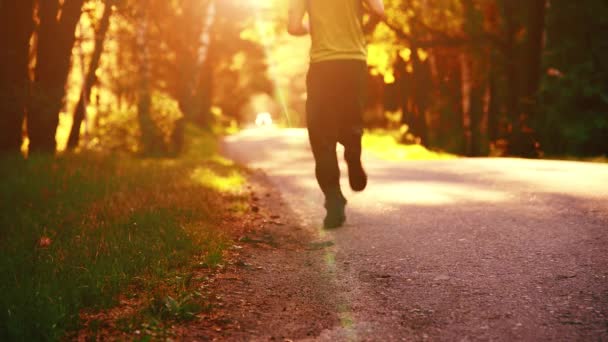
point(470, 77)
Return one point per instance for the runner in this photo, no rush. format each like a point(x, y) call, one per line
point(336, 88)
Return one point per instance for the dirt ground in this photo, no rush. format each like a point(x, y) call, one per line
point(273, 287)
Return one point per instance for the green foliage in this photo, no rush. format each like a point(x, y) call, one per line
point(77, 229)
point(484, 57)
point(575, 89)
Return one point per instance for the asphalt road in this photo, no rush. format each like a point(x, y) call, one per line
point(467, 249)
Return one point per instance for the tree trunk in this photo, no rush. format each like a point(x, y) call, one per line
point(532, 60)
point(523, 84)
point(533, 53)
point(421, 74)
point(455, 122)
point(474, 81)
point(196, 78)
point(191, 59)
point(91, 77)
point(510, 61)
point(404, 89)
point(56, 36)
point(151, 139)
point(478, 106)
point(477, 112)
point(205, 93)
point(493, 112)
point(206, 61)
point(16, 25)
point(466, 92)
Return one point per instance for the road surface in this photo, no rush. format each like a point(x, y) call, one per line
point(466, 249)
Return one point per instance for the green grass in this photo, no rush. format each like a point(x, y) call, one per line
point(109, 219)
point(384, 144)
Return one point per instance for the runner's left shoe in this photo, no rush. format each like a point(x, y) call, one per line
point(356, 176)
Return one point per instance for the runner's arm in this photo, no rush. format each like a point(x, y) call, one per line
point(296, 25)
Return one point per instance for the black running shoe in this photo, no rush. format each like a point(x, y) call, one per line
point(357, 176)
point(335, 213)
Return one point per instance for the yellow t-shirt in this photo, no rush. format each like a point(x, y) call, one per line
point(336, 30)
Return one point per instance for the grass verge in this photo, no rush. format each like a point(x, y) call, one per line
point(384, 144)
point(77, 229)
point(598, 159)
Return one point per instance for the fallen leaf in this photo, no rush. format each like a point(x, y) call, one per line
point(44, 242)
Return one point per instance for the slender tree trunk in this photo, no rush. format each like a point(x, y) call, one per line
point(206, 61)
point(144, 97)
point(455, 92)
point(486, 93)
point(466, 90)
point(420, 77)
point(191, 59)
point(16, 25)
point(477, 113)
point(91, 77)
point(187, 82)
point(535, 26)
point(478, 109)
point(510, 61)
point(195, 92)
point(493, 112)
point(533, 52)
point(403, 81)
point(56, 36)
point(523, 83)
point(474, 78)
point(510, 58)
point(151, 139)
point(205, 93)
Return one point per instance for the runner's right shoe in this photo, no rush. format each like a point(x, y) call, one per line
point(335, 212)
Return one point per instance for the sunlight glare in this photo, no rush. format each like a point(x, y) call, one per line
point(262, 4)
point(263, 119)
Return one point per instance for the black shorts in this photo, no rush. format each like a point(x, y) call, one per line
point(336, 95)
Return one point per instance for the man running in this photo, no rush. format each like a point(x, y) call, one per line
point(336, 86)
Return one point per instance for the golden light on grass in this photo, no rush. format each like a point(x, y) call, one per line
point(232, 181)
point(386, 147)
